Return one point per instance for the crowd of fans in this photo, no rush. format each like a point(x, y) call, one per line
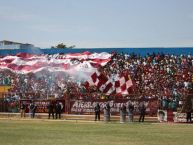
point(165, 77)
point(40, 85)
point(154, 75)
point(159, 76)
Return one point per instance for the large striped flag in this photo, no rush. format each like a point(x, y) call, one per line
point(27, 63)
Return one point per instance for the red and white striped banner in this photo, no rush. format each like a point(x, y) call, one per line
point(27, 63)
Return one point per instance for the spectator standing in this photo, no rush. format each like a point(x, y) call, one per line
point(97, 112)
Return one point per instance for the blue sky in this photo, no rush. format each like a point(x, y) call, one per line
point(98, 23)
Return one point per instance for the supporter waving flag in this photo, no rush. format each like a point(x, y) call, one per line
point(123, 83)
point(108, 85)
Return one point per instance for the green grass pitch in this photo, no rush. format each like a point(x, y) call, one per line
point(44, 132)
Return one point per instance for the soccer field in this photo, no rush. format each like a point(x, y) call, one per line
point(44, 132)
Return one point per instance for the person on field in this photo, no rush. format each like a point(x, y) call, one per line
point(58, 109)
point(188, 107)
point(107, 112)
point(50, 108)
point(32, 109)
point(189, 116)
point(22, 109)
point(123, 112)
point(97, 112)
point(142, 110)
point(130, 112)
